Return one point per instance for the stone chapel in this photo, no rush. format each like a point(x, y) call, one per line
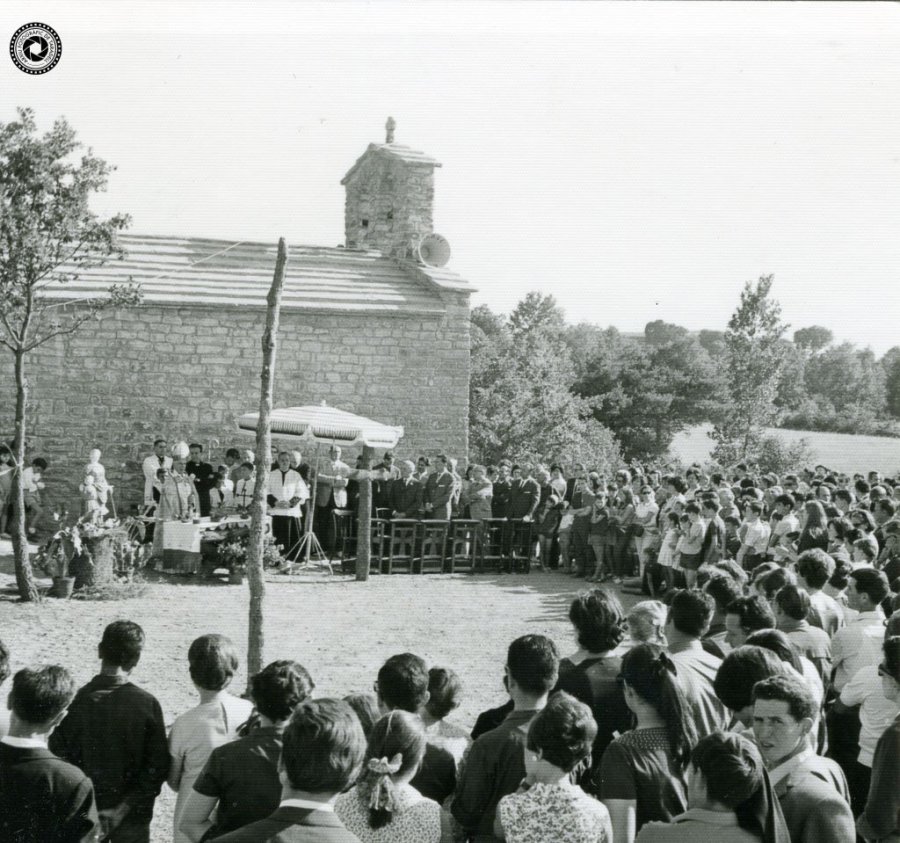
point(367, 327)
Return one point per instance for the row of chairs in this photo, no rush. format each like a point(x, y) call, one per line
point(431, 546)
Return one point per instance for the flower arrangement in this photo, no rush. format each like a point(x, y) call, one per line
point(232, 552)
point(72, 549)
point(56, 555)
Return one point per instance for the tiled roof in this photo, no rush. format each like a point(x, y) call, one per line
point(393, 150)
point(195, 271)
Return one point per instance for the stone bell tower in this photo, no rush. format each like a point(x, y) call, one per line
point(390, 197)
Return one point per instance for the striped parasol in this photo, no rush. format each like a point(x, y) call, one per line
point(326, 425)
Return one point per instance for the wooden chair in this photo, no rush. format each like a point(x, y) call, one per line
point(521, 545)
point(432, 546)
point(378, 555)
point(401, 545)
point(464, 541)
point(345, 526)
point(492, 549)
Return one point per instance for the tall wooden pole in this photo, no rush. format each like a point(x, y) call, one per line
point(256, 633)
point(364, 531)
point(24, 576)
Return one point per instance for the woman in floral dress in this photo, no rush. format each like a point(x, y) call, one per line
point(383, 807)
point(549, 806)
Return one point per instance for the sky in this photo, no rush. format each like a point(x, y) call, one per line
point(638, 161)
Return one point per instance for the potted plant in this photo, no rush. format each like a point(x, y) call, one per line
point(272, 555)
point(232, 554)
point(56, 556)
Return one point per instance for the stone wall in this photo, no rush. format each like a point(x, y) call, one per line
point(187, 373)
point(389, 205)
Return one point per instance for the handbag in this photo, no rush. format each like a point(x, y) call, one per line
point(637, 530)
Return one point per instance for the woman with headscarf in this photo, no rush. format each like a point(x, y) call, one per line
point(730, 798)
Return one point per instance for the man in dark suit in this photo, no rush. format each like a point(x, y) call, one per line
point(525, 495)
point(812, 790)
point(381, 487)
point(405, 498)
point(42, 798)
point(323, 751)
point(502, 490)
point(203, 474)
point(439, 490)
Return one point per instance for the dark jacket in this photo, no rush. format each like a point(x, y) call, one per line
point(204, 480)
point(243, 776)
point(115, 733)
point(524, 498)
point(406, 497)
point(501, 499)
point(494, 768)
point(293, 825)
point(491, 719)
point(43, 799)
point(436, 778)
point(713, 547)
point(814, 810)
point(881, 817)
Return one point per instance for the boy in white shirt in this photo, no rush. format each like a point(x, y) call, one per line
point(755, 538)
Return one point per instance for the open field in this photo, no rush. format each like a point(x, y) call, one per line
point(339, 629)
point(840, 451)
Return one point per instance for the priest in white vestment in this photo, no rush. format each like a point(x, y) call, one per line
point(287, 493)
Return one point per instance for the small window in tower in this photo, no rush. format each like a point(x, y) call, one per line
point(390, 215)
point(365, 223)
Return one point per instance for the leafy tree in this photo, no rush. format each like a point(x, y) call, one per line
point(521, 403)
point(536, 312)
point(48, 234)
point(713, 342)
point(582, 341)
point(792, 395)
point(645, 393)
point(486, 323)
point(890, 363)
point(659, 333)
point(847, 380)
point(813, 339)
point(754, 356)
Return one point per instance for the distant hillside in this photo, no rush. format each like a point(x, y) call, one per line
point(840, 451)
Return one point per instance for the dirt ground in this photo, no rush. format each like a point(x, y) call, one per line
point(339, 629)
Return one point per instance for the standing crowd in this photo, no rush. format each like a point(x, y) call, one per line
point(753, 696)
